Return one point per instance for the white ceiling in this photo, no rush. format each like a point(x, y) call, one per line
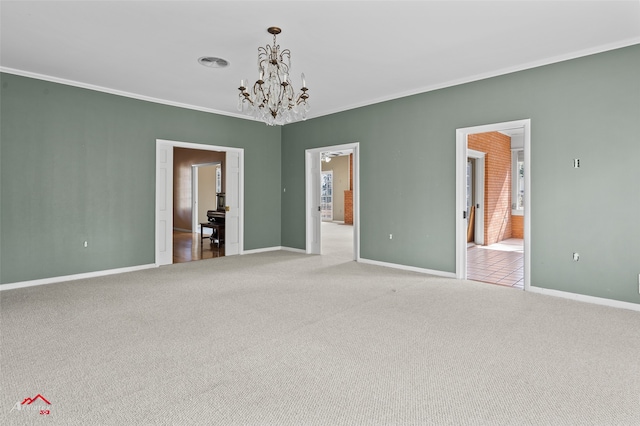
point(353, 53)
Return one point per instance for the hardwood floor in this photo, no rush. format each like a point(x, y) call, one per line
point(188, 247)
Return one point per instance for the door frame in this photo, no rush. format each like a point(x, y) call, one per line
point(461, 202)
point(164, 200)
point(195, 223)
point(312, 197)
point(478, 180)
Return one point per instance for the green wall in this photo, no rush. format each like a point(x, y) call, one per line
point(587, 108)
point(79, 165)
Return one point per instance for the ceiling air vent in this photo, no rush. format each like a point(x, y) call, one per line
point(213, 62)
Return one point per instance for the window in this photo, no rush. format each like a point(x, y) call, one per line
point(218, 178)
point(326, 195)
point(517, 182)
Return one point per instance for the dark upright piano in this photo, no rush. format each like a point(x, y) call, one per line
point(216, 223)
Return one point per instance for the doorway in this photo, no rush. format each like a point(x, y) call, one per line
point(206, 184)
point(234, 200)
point(332, 201)
point(493, 256)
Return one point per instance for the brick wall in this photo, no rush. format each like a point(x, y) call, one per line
point(497, 184)
point(348, 196)
point(348, 207)
point(517, 227)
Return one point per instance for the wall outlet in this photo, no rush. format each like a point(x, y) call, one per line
point(576, 256)
point(391, 236)
point(576, 163)
point(86, 244)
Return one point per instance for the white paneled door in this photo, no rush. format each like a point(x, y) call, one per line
point(314, 221)
point(164, 203)
point(232, 214)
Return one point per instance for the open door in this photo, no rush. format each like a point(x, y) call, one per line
point(478, 190)
point(164, 203)
point(232, 207)
point(314, 219)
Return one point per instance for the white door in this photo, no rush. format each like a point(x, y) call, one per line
point(478, 180)
point(314, 221)
point(164, 203)
point(232, 199)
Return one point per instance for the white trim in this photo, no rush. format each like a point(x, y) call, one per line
point(408, 268)
point(472, 153)
point(309, 203)
point(95, 274)
point(262, 250)
point(587, 299)
point(514, 180)
point(274, 248)
point(119, 92)
point(204, 147)
point(461, 202)
point(295, 250)
point(483, 76)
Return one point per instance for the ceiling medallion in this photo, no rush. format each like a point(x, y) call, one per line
point(272, 98)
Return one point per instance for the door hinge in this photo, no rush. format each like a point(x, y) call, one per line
point(464, 215)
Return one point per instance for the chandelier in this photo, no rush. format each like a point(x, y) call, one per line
point(272, 98)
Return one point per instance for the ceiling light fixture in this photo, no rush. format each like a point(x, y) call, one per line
point(272, 99)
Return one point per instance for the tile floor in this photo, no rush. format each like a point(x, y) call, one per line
point(501, 263)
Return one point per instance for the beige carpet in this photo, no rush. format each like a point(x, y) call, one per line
point(288, 339)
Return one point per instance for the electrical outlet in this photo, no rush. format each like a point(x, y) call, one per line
point(391, 236)
point(576, 256)
point(576, 163)
point(86, 244)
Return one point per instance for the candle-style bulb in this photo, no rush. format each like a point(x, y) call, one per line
point(304, 81)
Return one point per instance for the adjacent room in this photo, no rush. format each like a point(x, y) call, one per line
point(319, 213)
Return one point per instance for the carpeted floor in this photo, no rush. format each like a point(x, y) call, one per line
point(284, 338)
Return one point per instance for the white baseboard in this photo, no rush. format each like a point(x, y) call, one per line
point(584, 298)
point(295, 250)
point(275, 248)
point(408, 268)
point(54, 280)
point(262, 250)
